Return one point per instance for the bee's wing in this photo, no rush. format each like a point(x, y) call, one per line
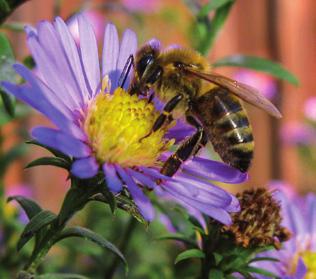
point(243, 91)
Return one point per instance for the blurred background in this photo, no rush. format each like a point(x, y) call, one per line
point(280, 30)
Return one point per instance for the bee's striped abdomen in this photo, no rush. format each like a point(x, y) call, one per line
point(227, 127)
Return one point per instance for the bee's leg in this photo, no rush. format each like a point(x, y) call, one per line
point(192, 121)
point(127, 68)
point(188, 148)
point(165, 115)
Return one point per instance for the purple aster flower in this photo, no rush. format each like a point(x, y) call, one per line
point(297, 257)
point(310, 109)
point(100, 125)
point(145, 6)
point(298, 133)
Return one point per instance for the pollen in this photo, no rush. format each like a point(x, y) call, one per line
point(117, 125)
point(309, 259)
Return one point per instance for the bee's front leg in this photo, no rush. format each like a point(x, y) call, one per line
point(165, 115)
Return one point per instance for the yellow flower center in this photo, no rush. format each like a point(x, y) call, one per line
point(309, 259)
point(116, 124)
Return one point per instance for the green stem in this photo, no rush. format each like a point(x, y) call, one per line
point(122, 247)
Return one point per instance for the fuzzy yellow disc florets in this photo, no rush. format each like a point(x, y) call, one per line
point(116, 125)
point(309, 259)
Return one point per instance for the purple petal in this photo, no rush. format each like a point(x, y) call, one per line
point(85, 168)
point(213, 170)
point(143, 203)
point(51, 44)
point(89, 53)
point(154, 43)
point(33, 95)
point(301, 269)
point(60, 141)
point(52, 76)
point(143, 179)
point(234, 205)
point(30, 30)
point(217, 213)
point(156, 174)
point(110, 52)
point(128, 47)
point(113, 182)
point(72, 55)
point(207, 196)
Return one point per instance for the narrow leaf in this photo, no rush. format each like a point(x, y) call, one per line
point(8, 102)
point(76, 198)
point(258, 64)
point(30, 207)
point(5, 47)
point(10, 156)
point(188, 254)
point(214, 27)
point(110, 198)
point(92, 236)
point(40, 220)
point(178, 237)
point(7, 7)
point(216, 274)
point(259, 271)
point(61, 276)
point(264, 259)
point(51, 150)
point(211, 6)
point(49, 161)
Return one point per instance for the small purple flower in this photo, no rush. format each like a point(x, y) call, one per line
point(145, 6)
point(264, 83)
point(298, 133)
point(297, 257)
point(100, 125)
point(310, 109)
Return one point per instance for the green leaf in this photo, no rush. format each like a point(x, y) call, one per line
point(216, 274)
point(92, 236)
point(30, 207)
point(110, 198)
point(259, 271)
point(76, 198)
point(211, 6)
point(8, 102)
point(264, 259)
point(49, 161)
point(258, 64)
point(7, 7)
point(188, 254)
point(29, 62)
point(51, 150)
point(5, 47)
point(6, 72)
point(14, 153)
point(60, 276)
point(218, 258)
point(213, 27)
point(178, 237)
point(40, 220)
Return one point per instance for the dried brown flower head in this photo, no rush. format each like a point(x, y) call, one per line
point(259, 221)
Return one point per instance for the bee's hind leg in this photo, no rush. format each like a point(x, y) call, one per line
point(165, 115)
point(187, 149)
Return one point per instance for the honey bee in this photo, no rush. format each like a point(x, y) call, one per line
point(183, 80)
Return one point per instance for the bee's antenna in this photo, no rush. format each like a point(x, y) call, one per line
point(127, 68)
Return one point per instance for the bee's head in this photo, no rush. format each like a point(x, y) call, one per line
point(148, 70)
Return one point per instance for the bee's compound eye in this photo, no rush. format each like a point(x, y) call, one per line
point(143, 63)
